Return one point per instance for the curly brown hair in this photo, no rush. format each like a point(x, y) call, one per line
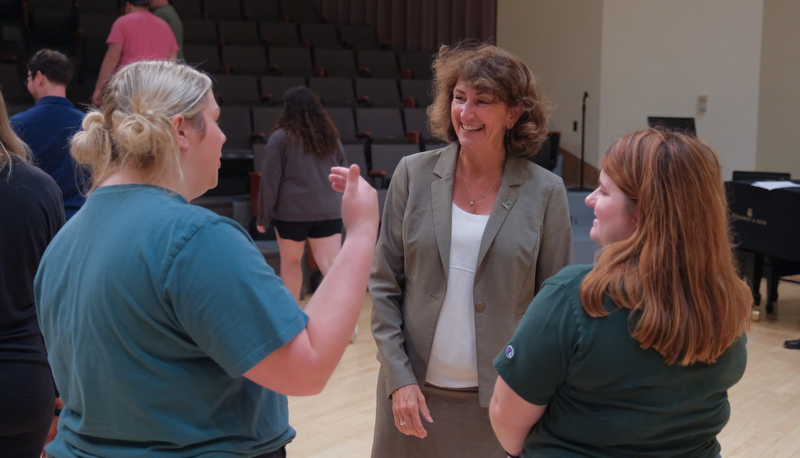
point(304, 119)
point(490, 69)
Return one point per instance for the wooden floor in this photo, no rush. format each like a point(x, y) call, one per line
point(765, 405)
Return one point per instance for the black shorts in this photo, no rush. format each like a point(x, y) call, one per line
point(300, 231)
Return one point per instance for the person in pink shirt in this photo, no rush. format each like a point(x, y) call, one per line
point(138, 35)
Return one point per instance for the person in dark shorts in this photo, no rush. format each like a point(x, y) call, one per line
point(295, 194)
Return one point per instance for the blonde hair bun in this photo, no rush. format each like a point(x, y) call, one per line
point(134, 127)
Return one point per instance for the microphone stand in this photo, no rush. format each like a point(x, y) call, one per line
point(582, 188)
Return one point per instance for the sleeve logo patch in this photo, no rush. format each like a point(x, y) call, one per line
point(509, 352)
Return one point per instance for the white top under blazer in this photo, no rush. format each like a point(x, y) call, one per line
point(454, 358)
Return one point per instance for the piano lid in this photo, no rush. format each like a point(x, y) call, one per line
point(766, 221)
point(770, 185)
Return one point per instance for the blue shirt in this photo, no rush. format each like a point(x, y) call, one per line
point(152, 309)
point(48, 128)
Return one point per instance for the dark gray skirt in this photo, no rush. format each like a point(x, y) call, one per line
point(461, 427)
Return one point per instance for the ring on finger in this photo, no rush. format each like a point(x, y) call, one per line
point(402, 423)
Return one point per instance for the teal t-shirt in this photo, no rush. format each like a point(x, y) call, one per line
point(605, 395)
point(152, 309)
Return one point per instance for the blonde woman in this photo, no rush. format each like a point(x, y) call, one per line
point(168, 333)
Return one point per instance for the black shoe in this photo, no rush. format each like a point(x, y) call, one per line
point(793, 344)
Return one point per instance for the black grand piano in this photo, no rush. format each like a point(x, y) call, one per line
point(766, 229)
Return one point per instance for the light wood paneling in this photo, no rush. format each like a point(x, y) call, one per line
point(765, 405)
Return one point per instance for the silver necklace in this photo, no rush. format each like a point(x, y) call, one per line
point(466, 185)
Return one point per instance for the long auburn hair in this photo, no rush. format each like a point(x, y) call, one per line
point(676, 272)
point(304, 119)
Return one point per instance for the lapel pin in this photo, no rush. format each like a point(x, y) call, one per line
point(507, 204)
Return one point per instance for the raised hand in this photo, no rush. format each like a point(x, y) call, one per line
point(359, 202)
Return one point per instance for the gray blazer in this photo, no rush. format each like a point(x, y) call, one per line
point(527, 239)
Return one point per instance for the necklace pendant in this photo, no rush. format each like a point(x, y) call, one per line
point(472, 202)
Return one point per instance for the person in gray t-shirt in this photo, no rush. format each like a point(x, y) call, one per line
point(294, 193)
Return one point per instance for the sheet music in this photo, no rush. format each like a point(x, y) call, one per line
point(770, 185)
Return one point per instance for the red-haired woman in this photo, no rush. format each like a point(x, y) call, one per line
point(634, 356)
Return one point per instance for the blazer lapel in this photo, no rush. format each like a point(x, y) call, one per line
point(506, 198)
point(442, 202)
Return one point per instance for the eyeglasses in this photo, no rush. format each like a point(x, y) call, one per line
point(27, 77)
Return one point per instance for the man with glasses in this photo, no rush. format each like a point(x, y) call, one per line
point(48, 127)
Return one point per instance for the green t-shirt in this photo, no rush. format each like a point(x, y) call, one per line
point(605, 395)
point(170, 16)
point(152, 309)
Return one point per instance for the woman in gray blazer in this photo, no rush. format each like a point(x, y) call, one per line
point(469, 234)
